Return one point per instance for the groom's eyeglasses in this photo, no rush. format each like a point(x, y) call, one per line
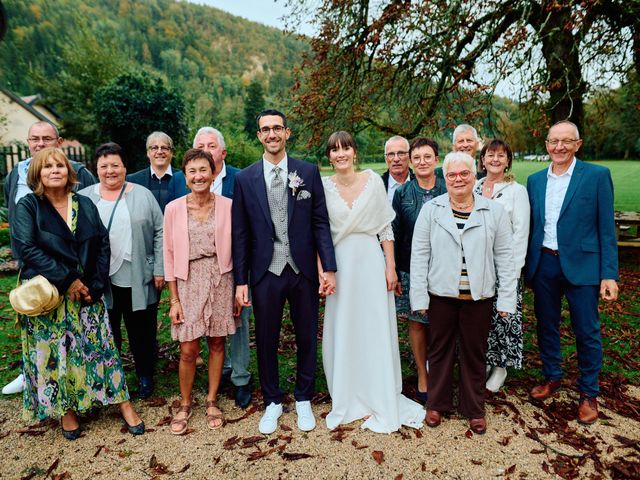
point(278, 129)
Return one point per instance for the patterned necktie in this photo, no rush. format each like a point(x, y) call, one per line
point(277, 185)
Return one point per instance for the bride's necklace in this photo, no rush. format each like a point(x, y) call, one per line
point(461, 206)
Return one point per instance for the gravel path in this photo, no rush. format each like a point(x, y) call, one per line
point(523, 440)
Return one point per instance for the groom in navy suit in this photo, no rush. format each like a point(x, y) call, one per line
point(572, 252)
point(280, 230)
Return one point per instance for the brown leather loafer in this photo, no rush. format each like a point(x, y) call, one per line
point(478, 425)
point(587, 410)
point(544, 391)
point(434, 418)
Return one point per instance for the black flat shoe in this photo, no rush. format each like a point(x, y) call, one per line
point(145, 387)
point(243, 396)
point(70, 434)
point(135, 429)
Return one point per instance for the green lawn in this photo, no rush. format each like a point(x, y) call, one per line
point(625, 174)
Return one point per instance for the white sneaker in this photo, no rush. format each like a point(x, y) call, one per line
point(496, 380)
point(14, 386)
point(306, 420)
point(269, 421)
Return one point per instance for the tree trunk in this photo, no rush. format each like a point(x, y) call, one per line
point(560, 49)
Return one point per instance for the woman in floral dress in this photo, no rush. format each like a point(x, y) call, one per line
point(197, 260)
point(70, 361)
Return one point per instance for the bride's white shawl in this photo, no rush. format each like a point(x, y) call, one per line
point(370, 212)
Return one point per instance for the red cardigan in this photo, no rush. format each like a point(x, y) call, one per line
point(176, 238)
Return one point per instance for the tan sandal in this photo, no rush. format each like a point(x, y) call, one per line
point(211, 417)
point(179, 426)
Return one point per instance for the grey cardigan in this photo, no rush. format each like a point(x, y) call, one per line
point(487, 242)
point(146, 248)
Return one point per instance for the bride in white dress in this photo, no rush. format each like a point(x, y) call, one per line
point(360, 349)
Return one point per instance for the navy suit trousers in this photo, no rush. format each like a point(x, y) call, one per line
point(268, 298)
point(549, 285)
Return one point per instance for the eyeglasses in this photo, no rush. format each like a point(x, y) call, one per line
point(423, 159)
point(278, 129)
point(554, 142)
point(161, 148)
point(464, 175)
point(42, 139)
point(392, 155)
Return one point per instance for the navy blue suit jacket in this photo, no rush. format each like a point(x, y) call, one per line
point(229, 180)
point(253, 231)
point(177, 185)
point(586, 227)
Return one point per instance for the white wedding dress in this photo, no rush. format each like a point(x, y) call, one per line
point(360, 349)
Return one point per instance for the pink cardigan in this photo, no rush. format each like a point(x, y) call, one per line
point(176, 238)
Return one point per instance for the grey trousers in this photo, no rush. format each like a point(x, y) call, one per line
point(236, 358)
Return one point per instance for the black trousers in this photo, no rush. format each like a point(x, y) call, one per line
point(141, 327)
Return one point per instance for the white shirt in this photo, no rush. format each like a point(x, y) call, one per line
point(393, 186)
point(216, 186)
point(268, 168)
point(168, 171)
point(554, 197)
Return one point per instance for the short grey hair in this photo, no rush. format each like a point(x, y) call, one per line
point(566, 122)
point(465, 127)
point(160, 136)
point(459, 157)
point(210, 130)
point(42, 123)
point(395, 138)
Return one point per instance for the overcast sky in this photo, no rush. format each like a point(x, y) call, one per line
point(269, 12)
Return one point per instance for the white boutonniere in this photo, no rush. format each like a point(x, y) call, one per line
point(295, 182)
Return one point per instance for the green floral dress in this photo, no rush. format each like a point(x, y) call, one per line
point(69, 358)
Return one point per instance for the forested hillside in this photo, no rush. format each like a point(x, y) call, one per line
point(68, 48)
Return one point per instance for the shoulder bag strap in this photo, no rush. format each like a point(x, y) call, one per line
point(116, 206)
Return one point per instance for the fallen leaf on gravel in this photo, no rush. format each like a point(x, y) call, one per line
point(610, 449)
point(121, 441)
point(29, 475)
point(505, 441)
point(510, 470)
point(61, 476)
point(27, 431)
point(468, 434)
point(338, 436)
point(285, 438)
point(399, 476)
point(4, 434)
point(537, 450)
point(230, 442)
point(187, 467)
point(418, 433)
point(251, 441)
point(273, 442)
point(378, 456)
point(423, 467)
point(188, 431)
point(476, 462)
point(295, 456)
point(156, 402)
point(625, 442)
point(98, 450)
point(153, 461)
point(165, 421)
point(250, 411)
point(286, 428)
point(52, 467)
point(261, 454)
point(358, 447)
point(545, 467)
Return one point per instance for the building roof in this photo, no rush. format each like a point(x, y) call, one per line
point(25, 105)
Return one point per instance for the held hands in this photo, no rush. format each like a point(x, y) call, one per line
point(609, 290)
point(327, 283)
point(503, 314)
point(237, 308)
point(398, 291)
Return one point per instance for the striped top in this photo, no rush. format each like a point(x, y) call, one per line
point(461, 220)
